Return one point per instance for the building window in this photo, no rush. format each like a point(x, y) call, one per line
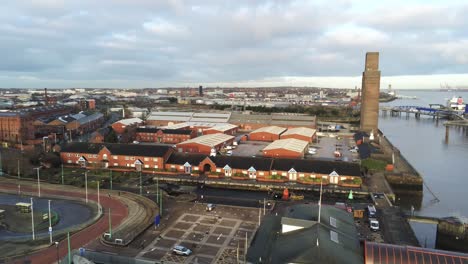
point(68, 155)
point(69, 161)
point(116, 164)
point(104, 156)
point(127, 158)
point(114, 157)
point(132, 158)
point(146, 159)
point(155, 159)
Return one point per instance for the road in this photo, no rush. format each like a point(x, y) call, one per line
point(49, 255)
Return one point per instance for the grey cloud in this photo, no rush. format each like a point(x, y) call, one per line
point(141, 42)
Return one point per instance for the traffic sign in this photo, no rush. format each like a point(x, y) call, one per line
point(50, 229)
point(82, 251)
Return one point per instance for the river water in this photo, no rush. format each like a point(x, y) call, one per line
point(444, 167)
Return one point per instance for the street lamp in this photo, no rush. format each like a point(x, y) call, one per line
point(38, 182)
point(86, 185)
point(57, 247)
point(50, 225)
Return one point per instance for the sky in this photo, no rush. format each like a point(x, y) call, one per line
point(177, 43)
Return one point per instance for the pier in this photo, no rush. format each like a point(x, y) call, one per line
point(418, 111)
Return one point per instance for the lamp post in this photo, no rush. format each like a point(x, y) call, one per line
point(50, 225)
point(32, 220)
point(38, 182)
point(99, 196)
point(86, 185)
point(57, 247)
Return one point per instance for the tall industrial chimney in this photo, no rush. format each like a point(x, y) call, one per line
point(200, 90)
point(46, 98)
point(370, 93)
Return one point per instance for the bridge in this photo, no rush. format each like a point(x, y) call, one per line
point(421, 110)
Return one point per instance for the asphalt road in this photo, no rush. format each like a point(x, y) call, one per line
point(49, 255)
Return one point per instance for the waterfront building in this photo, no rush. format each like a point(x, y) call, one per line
point(297, 235)
point(301, 133)
point(286, 148)
point(370, 93)
point(268, 133)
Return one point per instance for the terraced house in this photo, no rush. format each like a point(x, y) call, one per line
point(119, 156)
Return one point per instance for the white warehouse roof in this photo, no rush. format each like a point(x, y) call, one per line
point(290, 144)
point(209, 140)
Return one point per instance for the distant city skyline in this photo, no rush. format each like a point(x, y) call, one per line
point(147, 43)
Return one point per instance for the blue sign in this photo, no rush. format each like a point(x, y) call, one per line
point(82, 251)
point(157, 220)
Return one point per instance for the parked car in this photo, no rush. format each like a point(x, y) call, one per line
point(182, 251)
point(353, 150)
point(374, 224)
point(229, 153)
point(210, 207)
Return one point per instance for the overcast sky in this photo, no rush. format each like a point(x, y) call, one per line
point(151, 43)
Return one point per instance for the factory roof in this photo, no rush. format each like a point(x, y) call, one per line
point(270, 129)
point(303, 131)
point(211, 140)
point(222, 127)
point(130, 121)
point(290, 144)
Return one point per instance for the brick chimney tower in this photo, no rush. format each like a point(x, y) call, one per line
point(370, 93)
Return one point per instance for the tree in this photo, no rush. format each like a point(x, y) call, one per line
point(111, 137)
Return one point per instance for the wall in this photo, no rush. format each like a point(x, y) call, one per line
point(300, 137)
point(263, 136)
point(282, 153)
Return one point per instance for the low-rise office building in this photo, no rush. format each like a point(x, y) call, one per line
point(120, 126)
point(169, 136)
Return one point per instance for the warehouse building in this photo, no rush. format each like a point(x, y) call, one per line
point(301, 133)
point(120, 126)
point(168, 136)
point(250, 121)
point(286, 148)
point(227, 129)
point(205, 144)
point(269, 133)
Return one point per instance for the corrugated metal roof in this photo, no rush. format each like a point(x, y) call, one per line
point(130, 121)
point(270, 129)
point(291, 144)
point(169, 118)
point(222, 127)
point(209, 140)
point(303, 131)
point(387, 253)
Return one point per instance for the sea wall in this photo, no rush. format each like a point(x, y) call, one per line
point(452, 234)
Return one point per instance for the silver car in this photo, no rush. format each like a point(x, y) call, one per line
point(180, 250)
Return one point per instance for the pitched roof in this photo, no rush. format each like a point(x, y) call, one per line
point(130, 121)
point(291, 144)
point(209, 140)
point(303, 131)
point(317, 166)
point(237, 162)
point(181, 158)
point(387, 253)
point(165, 131)
point(222, 127)
point(118, 149)
point(270, 129)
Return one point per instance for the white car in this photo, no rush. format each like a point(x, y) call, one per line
point(229, 153)
point(312, 152)
point(180, 250)
point(353, 150)
point(374, 224)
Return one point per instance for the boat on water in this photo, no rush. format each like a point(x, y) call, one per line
point(456, 104)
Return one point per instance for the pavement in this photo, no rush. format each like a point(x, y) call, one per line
point(80, 238)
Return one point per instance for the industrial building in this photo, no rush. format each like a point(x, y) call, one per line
point(250, 121)
point(286, 148)
point(370, 93)
point(269, 133)
point(205, 144)
point(196, 119)
point(120, 126)
point(301, 133)
point(227, 129)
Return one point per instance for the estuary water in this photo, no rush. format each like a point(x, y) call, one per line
point(444, 167)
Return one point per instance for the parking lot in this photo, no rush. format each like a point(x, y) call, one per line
point(213, 237)
point(250, 148)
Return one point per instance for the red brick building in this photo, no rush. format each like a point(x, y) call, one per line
point(169, 136)
point(17, 126)
point(120, 126)
point(269, 133)
point(227, 129)
point(286, 148)
point(205, 144)
point(301, 133)
point(130, 156)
